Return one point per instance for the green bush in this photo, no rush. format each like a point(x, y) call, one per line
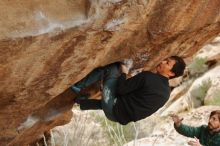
point(198, 66)
point(118, 134)
point(200, 91)
point(215, 100)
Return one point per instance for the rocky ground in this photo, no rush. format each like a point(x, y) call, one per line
point(164, 133)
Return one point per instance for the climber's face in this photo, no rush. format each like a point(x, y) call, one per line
point(165, 67)
point(214, 123)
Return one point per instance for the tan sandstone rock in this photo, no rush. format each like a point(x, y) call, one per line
point(45, 46)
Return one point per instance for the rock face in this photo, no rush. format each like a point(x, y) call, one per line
point(164, 133)
point(45, 46)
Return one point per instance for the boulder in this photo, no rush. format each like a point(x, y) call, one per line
point(46, 46)
point(164, 133)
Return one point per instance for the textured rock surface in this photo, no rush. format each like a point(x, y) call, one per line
point(164, 133)
point(47, 45)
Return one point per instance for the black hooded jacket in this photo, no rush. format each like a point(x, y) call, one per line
point(140, 96)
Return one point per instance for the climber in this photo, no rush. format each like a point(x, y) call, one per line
point(125, 100)
point(205, 135)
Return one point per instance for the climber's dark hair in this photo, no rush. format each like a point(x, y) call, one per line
point(178, 67)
